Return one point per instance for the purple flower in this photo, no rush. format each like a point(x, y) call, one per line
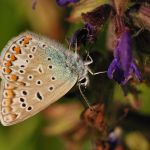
point(83, 35)
point(65, 2)
point(123, 67)
point(115, 138)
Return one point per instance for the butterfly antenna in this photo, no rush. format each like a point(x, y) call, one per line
point(76, 46)
point(90, 62)
point(85, 98)
point(87, 55)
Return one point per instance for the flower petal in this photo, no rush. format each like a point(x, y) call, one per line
point(123, 67)
point(123, 51)
point(116, 73)
point(118, 76)
point(65, 2)
point(136, 72)
point(112, 68)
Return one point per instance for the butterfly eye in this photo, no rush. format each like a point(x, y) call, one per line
point(84, 81)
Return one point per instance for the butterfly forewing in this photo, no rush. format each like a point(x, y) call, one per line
point(34, 75)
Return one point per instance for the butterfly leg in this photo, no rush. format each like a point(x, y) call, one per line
point(84, 81)
point(96, 73)
point(84, 97)
point(88, 62)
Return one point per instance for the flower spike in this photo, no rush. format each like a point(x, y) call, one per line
point(123, 66)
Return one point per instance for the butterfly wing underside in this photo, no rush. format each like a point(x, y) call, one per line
point(34, 75)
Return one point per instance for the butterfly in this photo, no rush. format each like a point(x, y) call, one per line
point(36, 72)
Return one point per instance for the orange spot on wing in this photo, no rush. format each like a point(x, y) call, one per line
point(13, 77)
point(22, 83)
point(12, 57)
point(14, 116)
point(8, 70)
point(6, 102)
point(17, 50)
point(10, 117)
point(26, 40)
point(9, 94)
point(7, 109)
point(8, 64)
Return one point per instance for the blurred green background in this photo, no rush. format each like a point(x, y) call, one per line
point(45, 130)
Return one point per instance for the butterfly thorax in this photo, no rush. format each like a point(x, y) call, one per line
point(77, 65)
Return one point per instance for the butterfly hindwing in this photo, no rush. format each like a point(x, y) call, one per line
point(34, 75)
